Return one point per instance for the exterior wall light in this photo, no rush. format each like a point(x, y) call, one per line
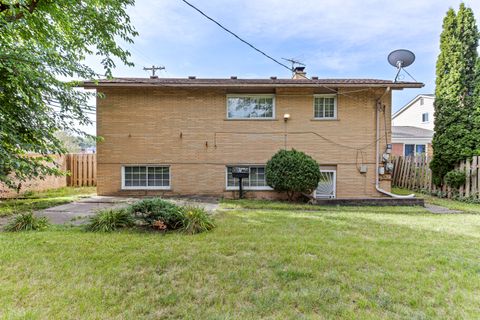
point(286, 116)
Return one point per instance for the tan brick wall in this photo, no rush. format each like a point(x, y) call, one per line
point(187, 129)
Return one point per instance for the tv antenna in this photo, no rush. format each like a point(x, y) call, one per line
point(401, 59)
point(153, 69)
point(294, 63)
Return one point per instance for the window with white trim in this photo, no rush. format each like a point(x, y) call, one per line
point(327, 186)
point(414, 149)
point(250, 106)
point(145, 177)
point(425, 117)
point(325, 106)
point(256, 179)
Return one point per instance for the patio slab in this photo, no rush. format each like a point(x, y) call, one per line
point(78, 212)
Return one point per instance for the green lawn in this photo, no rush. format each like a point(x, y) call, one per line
point(336, 262)
point(44, 199)
point(451, 204)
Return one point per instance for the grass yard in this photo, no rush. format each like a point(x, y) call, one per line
point(43, 200)
point(451, 204)
point(286, 263)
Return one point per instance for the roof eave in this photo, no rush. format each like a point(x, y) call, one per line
point(393, 86)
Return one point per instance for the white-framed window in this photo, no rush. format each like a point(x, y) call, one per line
point(256, 179)
point(325, 106)
point(421, 101)
point(425, 117)
point(146, 177)
point(252, 106)
point(414, 149)
point(327, 186)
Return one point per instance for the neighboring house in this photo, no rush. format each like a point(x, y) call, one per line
point(419, 112)
point(412, 127)
point(183, 136)
point(89, 150)
point(410, 141)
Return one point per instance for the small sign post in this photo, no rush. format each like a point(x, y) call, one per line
point(240, 173)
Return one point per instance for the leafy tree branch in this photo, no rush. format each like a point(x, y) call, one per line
point(42, 45)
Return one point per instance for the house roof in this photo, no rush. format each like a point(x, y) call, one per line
point(409, 132)
point(409, 104)
point(234, 82)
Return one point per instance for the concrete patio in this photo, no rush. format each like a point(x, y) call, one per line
point(78, 212)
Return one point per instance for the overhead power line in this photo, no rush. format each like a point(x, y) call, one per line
point(236, 36)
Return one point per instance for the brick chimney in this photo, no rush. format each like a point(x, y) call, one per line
point(299, 73)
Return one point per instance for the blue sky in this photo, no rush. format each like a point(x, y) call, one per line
point(339, 39)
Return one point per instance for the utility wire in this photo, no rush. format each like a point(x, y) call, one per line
point(236, 36)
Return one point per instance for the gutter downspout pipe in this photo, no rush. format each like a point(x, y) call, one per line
point(378, 108)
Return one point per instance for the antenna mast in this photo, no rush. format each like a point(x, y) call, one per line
point(153, 69)
point(294, 63)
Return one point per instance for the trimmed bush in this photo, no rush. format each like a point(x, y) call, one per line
point(455, 179)
point(110, 220)
point(27, 222)
point(150, 211)
point(292, 171)
point(196, 220)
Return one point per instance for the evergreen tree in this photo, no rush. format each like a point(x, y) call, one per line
point(455, 115)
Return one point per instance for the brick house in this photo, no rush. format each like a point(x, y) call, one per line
point(165, 136)
point(412, 127)
point(411, 141)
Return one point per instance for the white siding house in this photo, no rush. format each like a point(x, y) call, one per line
point(417, 113)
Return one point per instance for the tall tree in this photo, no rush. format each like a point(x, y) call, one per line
point(454, 93)
point(41, 43)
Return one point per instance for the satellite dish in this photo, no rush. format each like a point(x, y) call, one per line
point(400, 59)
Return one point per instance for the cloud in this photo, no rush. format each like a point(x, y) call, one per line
point(165, 20)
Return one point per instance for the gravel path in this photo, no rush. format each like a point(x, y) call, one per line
point(440, 210)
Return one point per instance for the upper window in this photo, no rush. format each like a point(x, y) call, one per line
point(421, 101)
point(250, 107)
point(146, 177)
point(325, 106)
point(425, 117)
point(256, 179)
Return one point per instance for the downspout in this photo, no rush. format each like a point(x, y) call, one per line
point(378, 108)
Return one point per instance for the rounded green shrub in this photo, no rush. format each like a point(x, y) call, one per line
point(154, 209)
point(196, 220)
point(292, 171)
point(455, 178)
point(110, 220)
point(27, 222)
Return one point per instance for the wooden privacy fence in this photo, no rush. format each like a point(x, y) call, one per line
point(414, 173)
point(83, 169)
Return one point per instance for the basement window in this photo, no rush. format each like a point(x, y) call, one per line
point(255, 181)
point(250, 106)
point(327, 186)
point(146, 177)
point(325, 106)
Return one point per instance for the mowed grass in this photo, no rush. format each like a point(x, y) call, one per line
point(451, 204)
point(43, 200)
point(343, 263)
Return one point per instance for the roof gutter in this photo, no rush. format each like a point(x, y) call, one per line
point(93, 85)
point(379, 109)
